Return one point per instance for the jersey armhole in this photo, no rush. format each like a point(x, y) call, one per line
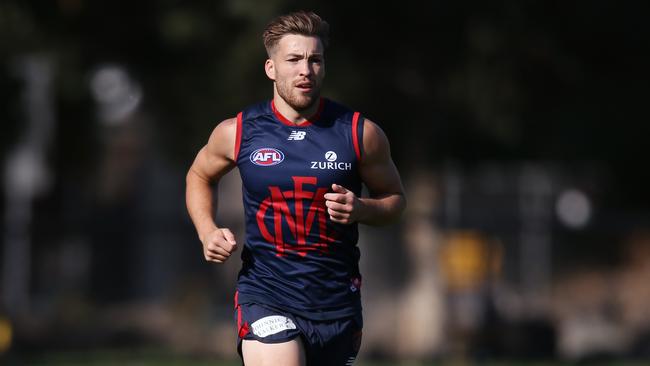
point(357, 134)
point(238, 136)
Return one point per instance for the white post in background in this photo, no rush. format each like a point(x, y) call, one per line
point(536, 215)
point(25, 177)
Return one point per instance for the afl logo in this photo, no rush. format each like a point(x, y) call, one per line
point(267, 156)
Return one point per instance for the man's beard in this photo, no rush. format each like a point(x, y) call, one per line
point(297, 100)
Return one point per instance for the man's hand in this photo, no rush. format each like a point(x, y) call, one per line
point(218, 245)
point(343, 206)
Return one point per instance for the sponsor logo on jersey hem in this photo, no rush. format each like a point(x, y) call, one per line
point(267, 156)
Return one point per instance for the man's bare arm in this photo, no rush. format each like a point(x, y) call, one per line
point(212, 162)
point(386, 199)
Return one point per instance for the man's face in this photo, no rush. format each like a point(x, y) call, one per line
point(297, 66)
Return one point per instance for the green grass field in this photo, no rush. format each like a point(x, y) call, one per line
point(157, 358)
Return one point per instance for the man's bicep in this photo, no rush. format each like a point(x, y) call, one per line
point(378, 171)
point(210, 167)
point(216, 158)
point(381, 178)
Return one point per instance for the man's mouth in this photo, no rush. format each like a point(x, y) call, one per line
point(305, 86)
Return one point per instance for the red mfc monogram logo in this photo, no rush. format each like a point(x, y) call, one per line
point(300, 222)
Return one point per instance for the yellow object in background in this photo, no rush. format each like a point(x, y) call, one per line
point(469, 259)
point(6, 333)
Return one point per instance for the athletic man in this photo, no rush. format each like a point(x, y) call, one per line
point(302, 160)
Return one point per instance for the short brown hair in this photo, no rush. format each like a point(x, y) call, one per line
point(305, 23)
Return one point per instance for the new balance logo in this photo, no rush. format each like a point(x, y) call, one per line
point(297, 135)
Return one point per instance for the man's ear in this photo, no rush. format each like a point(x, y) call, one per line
point(269, 67)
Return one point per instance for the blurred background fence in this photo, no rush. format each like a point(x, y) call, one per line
point(520, 130)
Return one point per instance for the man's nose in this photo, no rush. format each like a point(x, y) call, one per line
point(305, 67)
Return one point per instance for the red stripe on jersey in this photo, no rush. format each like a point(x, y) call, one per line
point(238, 135)
point(355, 135)
point(242, 329)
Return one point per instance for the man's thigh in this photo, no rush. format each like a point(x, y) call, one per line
point(268, 337)
point(289, 353)
point(274, 337)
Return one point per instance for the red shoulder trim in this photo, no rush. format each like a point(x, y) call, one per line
point(238, 135)
point(355, 135)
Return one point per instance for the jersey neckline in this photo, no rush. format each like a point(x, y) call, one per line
point(308, 122)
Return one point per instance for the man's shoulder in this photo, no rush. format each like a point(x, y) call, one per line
point(334, 105)
point(338, 112)
point(257, 110)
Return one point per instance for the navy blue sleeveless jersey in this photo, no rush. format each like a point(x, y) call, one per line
point(295, 258)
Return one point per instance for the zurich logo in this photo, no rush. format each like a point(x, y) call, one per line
point(267, 156)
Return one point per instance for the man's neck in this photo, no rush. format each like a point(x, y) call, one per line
point(294, 116)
